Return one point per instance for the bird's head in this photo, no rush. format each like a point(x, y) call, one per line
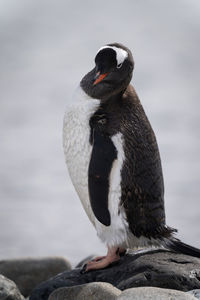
point(112, 72)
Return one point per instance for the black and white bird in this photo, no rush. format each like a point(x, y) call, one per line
point(114, 162)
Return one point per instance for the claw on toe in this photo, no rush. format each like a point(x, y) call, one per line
point(102, 262)
point(83, 269)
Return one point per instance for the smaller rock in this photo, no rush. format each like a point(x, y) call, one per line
point(89, 291)
point(9, 290)
point(195, 293)
point(27, 273)
point(152, 293)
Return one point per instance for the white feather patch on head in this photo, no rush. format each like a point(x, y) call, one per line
point(121, 54)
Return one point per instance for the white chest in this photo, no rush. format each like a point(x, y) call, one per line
point(77, 149)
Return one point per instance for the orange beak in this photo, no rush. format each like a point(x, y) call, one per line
point(100, 78)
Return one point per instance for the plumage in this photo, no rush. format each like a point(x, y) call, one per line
point(103, 150)
point(113, 159)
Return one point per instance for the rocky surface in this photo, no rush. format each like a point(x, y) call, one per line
point(27, 273)
point(9, 290)
point(106, 291)
point(195, 293)
point(158, 268)
point(152, 293)
point(93, 290)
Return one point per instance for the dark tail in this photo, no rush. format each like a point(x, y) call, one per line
point(180, 247)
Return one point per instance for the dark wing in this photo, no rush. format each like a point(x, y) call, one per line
point(142, 179)
point(102, 157)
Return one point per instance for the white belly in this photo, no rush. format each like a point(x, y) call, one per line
point(77, 149)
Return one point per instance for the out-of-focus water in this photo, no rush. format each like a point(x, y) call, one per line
point(45, 49)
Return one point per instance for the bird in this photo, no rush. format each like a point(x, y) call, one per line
point(114, 162)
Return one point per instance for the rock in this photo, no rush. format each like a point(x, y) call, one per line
point(27, 273)
point(152, 293)
point(157, 268)
point(195, 293)
point(90, 291)
point(9, 290)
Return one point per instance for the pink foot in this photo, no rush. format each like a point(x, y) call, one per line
point(97, 258)
point(102, 262)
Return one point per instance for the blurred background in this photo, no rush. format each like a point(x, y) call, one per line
point(46, 47)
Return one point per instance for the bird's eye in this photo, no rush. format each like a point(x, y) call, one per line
point(119, 66)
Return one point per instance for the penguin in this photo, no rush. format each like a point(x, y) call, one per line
point(114, 163)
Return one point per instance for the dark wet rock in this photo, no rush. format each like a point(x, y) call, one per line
point(195, 293)
point(158, 268)
point(90, 291)
point(9, 290)
point(147, 293)
point(27, 273)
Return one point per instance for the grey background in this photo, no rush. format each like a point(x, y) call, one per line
point(45, 49)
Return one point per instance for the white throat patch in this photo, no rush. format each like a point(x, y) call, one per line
point(121, 54)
